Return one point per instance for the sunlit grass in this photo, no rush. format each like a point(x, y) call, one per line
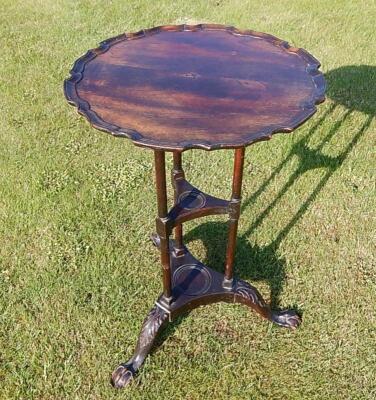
point(78, 273)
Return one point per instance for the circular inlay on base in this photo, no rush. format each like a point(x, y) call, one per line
point(192, 199)
point(192, 279)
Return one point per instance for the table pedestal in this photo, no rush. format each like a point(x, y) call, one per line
point(187, 283)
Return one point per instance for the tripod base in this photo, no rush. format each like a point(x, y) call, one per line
point(193, 285)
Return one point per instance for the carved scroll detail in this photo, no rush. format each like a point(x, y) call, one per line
point(151, 325)
point(125, 372)
point(248, 292)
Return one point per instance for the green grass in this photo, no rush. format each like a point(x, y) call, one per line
point(78, 274)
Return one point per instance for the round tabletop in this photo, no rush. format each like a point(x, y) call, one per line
point(204, 86)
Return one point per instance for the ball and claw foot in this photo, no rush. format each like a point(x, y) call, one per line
point(155, 240)
point(286, 318)
point(122, 376)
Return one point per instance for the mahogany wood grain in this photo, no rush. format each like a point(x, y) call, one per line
point(173, 88)
point(202, 86)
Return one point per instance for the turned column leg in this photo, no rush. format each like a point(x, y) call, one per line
point(177, 174)
point(243, 291)
point(234, 210)
point(160, 178)
point(159, 314)
point(209, 286)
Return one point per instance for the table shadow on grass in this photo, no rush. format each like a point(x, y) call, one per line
point(352, 87)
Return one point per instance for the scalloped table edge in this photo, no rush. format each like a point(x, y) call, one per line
point(83, 107)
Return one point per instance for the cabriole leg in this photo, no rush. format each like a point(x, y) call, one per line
point(153, 323)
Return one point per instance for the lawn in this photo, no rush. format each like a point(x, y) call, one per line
point(78, 272)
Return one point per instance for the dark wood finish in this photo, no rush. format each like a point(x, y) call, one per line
point(193, 203)
point(234, 215)
point(202, 86)
point(187, 282)
point(177, 175)
point(152, 324)
point(194, 284)
point(160, 179)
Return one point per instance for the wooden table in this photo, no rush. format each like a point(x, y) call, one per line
point(174, 88)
